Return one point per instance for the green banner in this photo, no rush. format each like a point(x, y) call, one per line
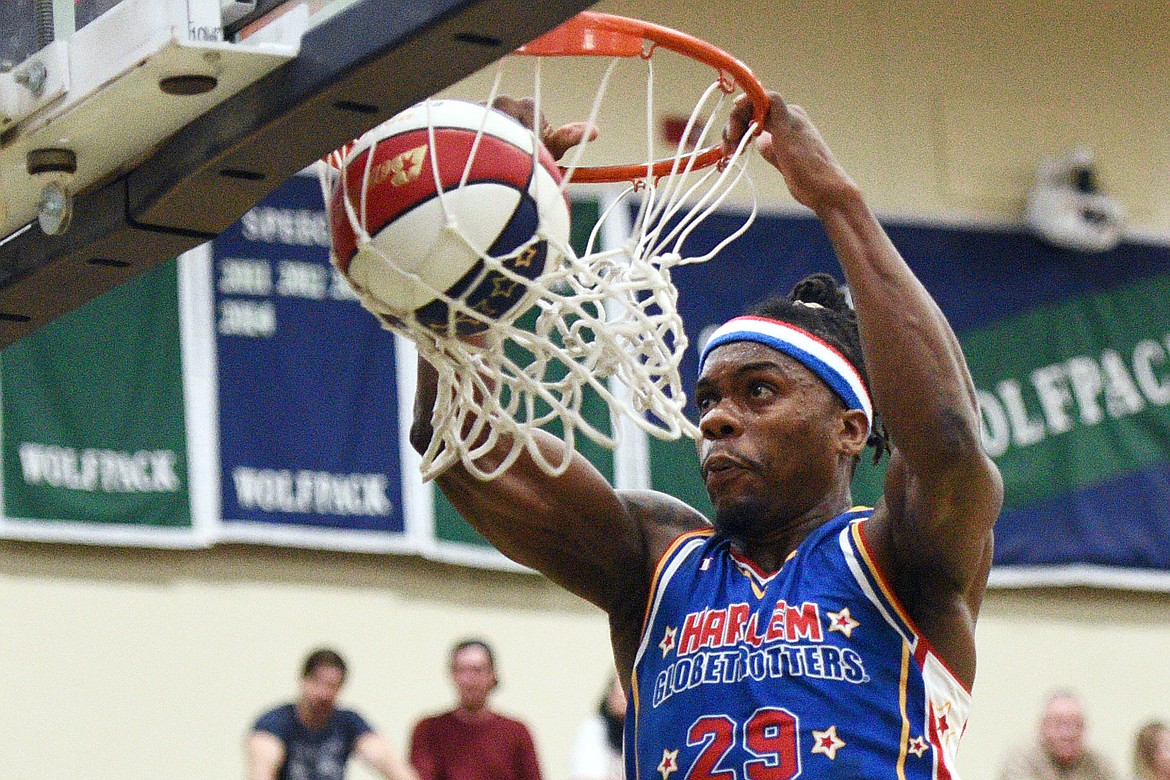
point(1083, 385)
point(93, 422)
point(674, 470)
point(1046, 396)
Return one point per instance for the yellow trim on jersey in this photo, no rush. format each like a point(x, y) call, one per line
point(662, 561)
point(637, 701)
point(659, 567)
point(880, 579)
point(902, 685)
point(758, 582)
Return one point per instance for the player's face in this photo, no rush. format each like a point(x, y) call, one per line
point(767, 451)
point(474, 676)
point(320, 689)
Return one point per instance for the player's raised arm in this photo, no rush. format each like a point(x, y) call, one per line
point(932, 533)
point(574, 528)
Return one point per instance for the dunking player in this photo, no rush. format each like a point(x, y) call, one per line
point(798, 634)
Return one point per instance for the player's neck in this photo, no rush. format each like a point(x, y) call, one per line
point(768, 550)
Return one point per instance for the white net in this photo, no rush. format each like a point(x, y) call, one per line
point(603, 322)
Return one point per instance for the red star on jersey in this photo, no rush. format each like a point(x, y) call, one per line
point(941, 725)
point(917, 746)
point(827, 742)
point(667, 643)
point(842, 621)
point(669, 763)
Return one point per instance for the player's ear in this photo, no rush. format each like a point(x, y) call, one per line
point(853, 432)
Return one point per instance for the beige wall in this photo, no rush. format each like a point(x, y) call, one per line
point(123, 663)
point(1108, 646)
point(945, 106)
point(138, 664)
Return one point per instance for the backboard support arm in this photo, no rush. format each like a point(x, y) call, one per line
point(353, 71)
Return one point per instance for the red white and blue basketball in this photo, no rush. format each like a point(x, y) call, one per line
point(429, 214)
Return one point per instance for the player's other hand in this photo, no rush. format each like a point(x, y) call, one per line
point(791, 142)
point(558, 140)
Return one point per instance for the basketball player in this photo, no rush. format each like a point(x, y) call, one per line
point(797, 634)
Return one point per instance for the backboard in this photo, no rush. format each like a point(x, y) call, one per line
point(133, 130)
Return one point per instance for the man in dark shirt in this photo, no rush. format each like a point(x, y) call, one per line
point(472, 742)
point(312, 739)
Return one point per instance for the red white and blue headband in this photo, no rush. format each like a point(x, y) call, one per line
point(813, 353)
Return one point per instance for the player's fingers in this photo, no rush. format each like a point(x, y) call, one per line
point(764, 145)
point(567, 136)
point(796, 115)
point(743, 114)
point(780, 114)
point(737, 124)
point(558, 140)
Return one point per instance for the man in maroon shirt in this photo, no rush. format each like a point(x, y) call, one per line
point(471, 742)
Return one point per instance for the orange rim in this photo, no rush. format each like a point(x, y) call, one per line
point(594, 34)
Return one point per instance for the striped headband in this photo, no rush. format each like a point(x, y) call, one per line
point(813, 353)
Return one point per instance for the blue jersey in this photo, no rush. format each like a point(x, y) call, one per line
point(814, 671)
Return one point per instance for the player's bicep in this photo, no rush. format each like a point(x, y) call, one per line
point(574, 528)
point(940, 524)
point(932, 542)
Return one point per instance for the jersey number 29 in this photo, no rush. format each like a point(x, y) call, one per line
point(770, 735)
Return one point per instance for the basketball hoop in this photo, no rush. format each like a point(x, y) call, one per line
point(604, 322)
point(593, 34)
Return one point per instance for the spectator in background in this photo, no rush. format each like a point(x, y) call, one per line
point(597, 753)
point(1151, 752)
point(472, 742)
point(312, 739)
point(1059, 750)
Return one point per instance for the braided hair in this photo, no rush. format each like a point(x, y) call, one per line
point(817, 304)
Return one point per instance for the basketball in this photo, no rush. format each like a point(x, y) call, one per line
point(433, 190)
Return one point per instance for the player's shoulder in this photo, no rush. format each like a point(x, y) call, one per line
point(854, 518)
point(662, 518)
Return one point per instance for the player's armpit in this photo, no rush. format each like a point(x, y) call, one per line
point(662, 519)
point(932, 539)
